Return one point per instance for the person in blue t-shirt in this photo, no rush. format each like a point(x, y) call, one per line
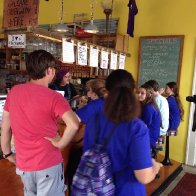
point(150, 115)
point(129, 146)
point(150, 112)
point(176, 111)
point(95, 89)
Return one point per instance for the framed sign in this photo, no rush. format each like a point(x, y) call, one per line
point(17, 41)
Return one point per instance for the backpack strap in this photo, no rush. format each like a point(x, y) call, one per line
point(106, 139)
point(96, 128)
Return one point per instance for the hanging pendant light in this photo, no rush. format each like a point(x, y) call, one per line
point(91, 27)
point(107, 6)
point(61, 27)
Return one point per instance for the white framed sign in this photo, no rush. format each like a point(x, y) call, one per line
point(17, 41)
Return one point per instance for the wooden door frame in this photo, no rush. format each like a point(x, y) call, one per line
point(191, 139)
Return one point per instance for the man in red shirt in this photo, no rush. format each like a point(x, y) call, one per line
point(30, 114)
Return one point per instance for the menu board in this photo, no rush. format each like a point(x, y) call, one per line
point(160, 59)
point(20, 13)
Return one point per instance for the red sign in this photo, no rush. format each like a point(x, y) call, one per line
point(20, 13)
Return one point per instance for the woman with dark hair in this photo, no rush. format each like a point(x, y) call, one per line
point(129, 146)
point(62, 83)
point(176, 110)
point(150, 114)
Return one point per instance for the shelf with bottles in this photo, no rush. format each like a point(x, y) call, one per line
point(14, 71)
point(2, 53)
point(15, 78)
point(2, 60)
point(9, 78)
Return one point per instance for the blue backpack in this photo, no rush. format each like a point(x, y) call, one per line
point(94, 174)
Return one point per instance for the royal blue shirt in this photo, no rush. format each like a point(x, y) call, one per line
point(151, 117)
point(174, 113)
point(129, 147)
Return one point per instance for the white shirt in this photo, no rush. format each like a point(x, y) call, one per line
point(164, 110)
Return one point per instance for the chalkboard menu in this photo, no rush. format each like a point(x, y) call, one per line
point(160, 59)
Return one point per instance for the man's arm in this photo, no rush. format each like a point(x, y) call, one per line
point(72, 126)
point(6, 135)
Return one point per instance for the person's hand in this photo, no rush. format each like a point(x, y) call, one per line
point(82, 102)
point(156, 166)
point(12, 158)
point(54, 141)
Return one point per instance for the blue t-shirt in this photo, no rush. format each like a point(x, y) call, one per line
point(151, 117)
point(129, 147)
point(174, 113)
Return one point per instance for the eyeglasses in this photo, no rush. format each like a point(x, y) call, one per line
point(67, 76)
point(55, 68)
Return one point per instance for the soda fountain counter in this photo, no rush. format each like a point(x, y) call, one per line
point(76, 143)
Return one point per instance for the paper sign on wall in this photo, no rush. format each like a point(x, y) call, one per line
point(104, 59)
point(68, 51)
point(17, 41)
point(93, 61)
point(113, 60)
point(82, 54)
point(121, 61)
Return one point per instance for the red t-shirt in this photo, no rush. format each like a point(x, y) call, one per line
point(34, 110)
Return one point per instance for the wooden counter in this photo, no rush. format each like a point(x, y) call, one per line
point(77, 141)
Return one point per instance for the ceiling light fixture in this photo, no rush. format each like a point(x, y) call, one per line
point(91, 27)
point(61, 27)
point(107, 6)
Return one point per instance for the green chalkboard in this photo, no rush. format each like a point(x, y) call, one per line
point(160, 59)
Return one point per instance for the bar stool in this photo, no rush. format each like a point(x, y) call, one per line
point(166, 160)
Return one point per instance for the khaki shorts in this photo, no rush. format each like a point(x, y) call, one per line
point(46, 182)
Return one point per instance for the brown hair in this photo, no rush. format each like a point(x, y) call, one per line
point(97, 86)
point(174, 88)
point(154, 84)
point(37, 63)
point(150, 98)
point(121, 104)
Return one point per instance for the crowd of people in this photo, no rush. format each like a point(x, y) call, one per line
point(32, 110)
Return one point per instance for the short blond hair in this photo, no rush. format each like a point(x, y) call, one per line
point(97, 86)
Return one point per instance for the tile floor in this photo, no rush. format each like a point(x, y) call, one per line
point(187, 169)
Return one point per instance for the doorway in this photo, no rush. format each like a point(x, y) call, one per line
point(191, 140)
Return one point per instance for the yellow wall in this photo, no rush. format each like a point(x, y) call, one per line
point(155, 17)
